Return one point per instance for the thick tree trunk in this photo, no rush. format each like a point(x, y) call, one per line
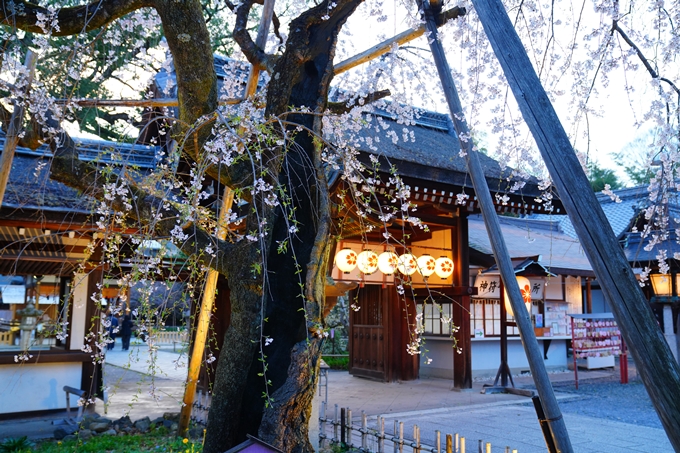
point(293, 294)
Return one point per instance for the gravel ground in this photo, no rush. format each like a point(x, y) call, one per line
point(609, 399)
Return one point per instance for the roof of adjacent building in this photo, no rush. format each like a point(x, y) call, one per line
point(559, 252)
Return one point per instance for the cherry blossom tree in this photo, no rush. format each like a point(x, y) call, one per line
point(270, 150)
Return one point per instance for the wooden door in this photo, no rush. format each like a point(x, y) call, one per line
point(367, 342)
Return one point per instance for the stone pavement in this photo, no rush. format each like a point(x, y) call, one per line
point(501, 419)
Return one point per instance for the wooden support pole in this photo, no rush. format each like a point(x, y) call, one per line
point(260, 41)
point(203, 323)
point(14, 128)
point(526, 331)
point(211, 281)
point(655, 363)
point(400, 39)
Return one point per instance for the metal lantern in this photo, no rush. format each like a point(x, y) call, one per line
point(443, 267)
point(367, 261)
point(346, 260)
point(388, 262)
point(426, 265)
point(525, 290)
point(663, 284)
point(408, 264)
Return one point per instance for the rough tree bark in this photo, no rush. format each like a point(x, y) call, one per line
point(301, 78)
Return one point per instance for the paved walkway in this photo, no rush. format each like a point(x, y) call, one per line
point(501, 419)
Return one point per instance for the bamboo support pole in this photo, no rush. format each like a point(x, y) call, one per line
point(260, 41)
point(387, 45)
point(527, 335)
point(203, 324)
point(14, 128)
point(211, 281)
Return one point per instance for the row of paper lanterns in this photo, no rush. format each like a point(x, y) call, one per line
point(389, 262)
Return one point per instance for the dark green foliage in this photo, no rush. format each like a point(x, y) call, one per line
point(337, 363)
point(16, 444)
point(599, 177)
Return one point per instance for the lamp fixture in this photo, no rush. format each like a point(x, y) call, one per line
point(367, 262)
point(22, 231)
point(346, 260)
point(525, 290)
point(663, 284)
point(443, 267)
point(426, 265)
point(408, 264)
point(388, 262)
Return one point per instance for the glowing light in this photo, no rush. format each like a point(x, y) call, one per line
point(525, 290)
point(346, 260)
point(426, 265)
point(443, 267)
point(388, 262)
point(367, 262)
point(408, 264)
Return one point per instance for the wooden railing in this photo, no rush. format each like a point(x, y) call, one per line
point(171, 337)
point(375, 439)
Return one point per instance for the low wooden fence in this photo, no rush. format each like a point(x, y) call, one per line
point(377, 440)
point(169, 337)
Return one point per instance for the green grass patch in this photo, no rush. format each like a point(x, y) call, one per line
point(337, 363)
point(150, 442)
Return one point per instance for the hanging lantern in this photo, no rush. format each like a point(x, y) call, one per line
point(426, 265)
point(525, 290)
point(346, 260)
point(443, 267)
point(407, 264)
point(388, 262)
point(367, 261)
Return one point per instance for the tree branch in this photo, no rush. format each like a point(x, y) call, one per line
point(645, 61)
point(343, 107)
point(255, 55)
point(73, 20)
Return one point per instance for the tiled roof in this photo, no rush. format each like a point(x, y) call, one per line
point(619, 215)
point(558, 252)
point(29, 185)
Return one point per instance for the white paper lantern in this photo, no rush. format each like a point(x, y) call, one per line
point(525, 290)
point(388, 262)
point(367, 261)
point(426, 265)
point(443, 267)
point(408, 264)
point(346, 260)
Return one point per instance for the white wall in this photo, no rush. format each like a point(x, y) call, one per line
point(486, 357)
point(36, 387)
point(79, 322)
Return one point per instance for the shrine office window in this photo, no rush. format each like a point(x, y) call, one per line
point(436, 318)
point(485, 318)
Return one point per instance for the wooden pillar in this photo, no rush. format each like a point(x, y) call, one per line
point(589, 296)
point(462, 363)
